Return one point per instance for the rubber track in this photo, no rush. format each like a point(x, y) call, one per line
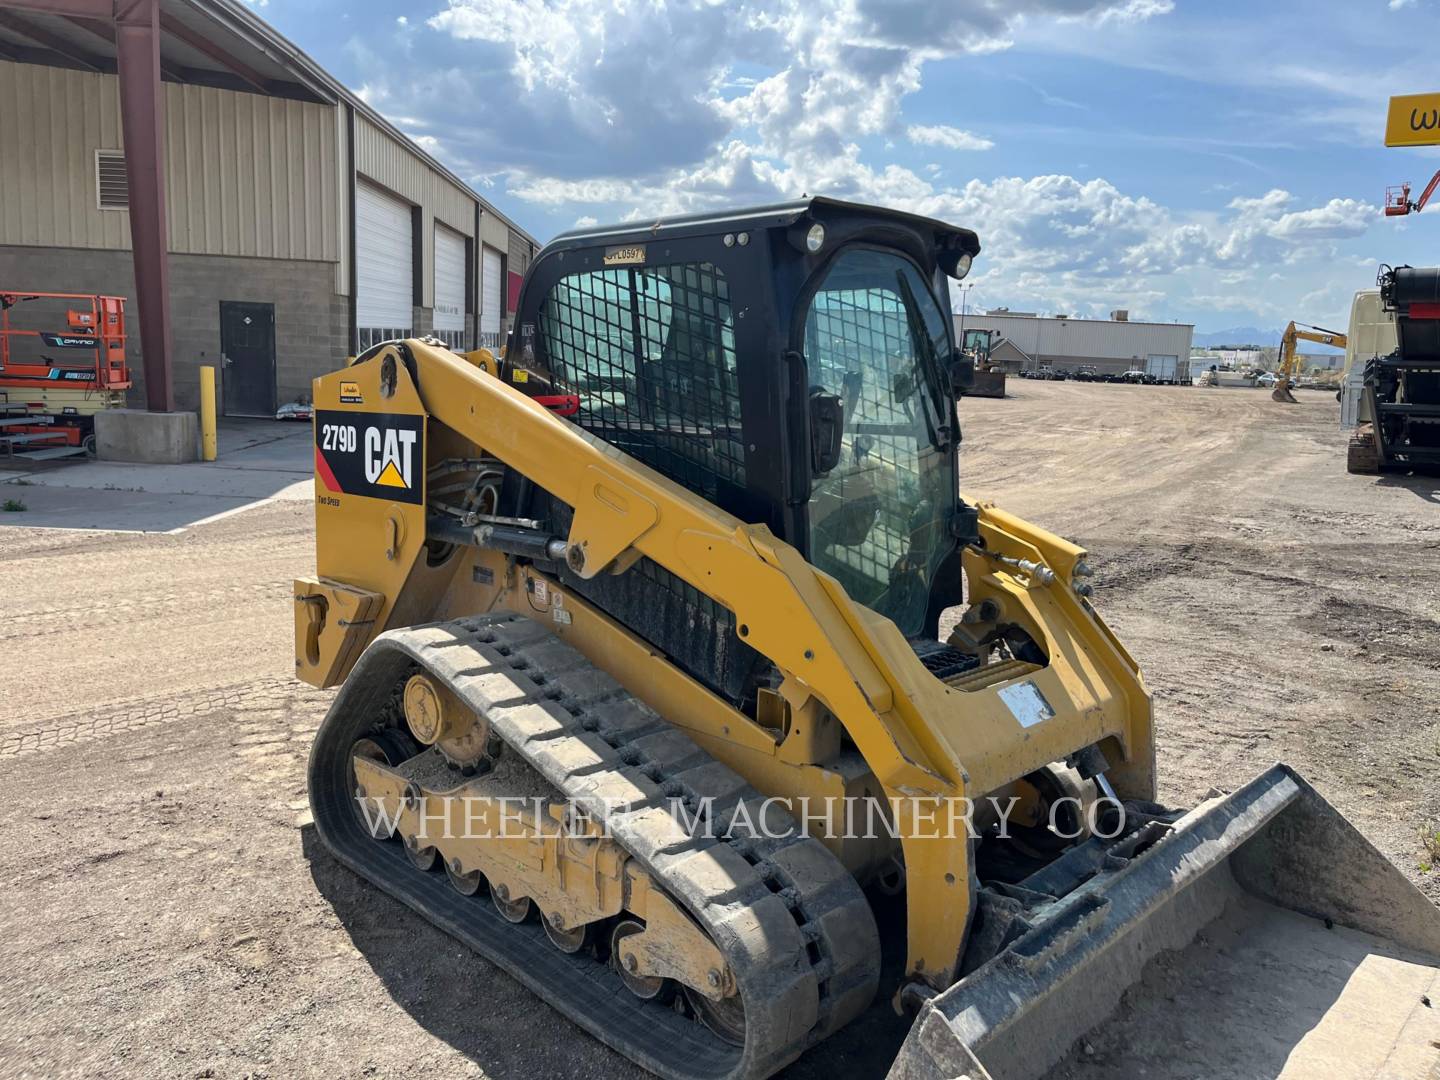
point(1361, 455)
point(794, 926)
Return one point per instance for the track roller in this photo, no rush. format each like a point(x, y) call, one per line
point(645, 987)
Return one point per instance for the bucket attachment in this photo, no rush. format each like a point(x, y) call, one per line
point(1305, 954)
point(1282, 394)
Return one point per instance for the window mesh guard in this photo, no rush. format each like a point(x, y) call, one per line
point(651, 353)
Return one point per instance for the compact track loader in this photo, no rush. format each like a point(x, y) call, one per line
point(644, 697)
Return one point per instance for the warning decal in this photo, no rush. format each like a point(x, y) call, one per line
point(378, 455)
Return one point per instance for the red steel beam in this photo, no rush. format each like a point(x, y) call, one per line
point(175, 28)
point(142, 115)
point(54, 42)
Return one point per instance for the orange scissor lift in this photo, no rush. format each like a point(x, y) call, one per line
point(54, 381)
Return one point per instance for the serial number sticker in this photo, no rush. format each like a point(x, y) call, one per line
point(1026, 703)
point(625, 255)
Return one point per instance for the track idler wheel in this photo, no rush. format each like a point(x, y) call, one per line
point(391, 747)
point(726, 1017)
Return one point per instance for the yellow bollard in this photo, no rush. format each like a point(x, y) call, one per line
point(207, 413)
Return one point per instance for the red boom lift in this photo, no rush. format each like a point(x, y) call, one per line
point(1397, 199)
point(48, 402)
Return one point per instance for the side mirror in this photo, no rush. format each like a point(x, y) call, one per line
point(962, 371)
point(827, 425)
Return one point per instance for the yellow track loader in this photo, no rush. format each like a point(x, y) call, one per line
point(644, 693)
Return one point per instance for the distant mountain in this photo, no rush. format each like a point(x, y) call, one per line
point(1237, 335)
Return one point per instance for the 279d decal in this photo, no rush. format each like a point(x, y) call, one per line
point(378, 455)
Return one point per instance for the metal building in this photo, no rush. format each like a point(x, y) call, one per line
point(258, 216)
point(1024, 341)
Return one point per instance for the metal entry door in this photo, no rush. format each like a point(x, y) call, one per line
point(247, 342)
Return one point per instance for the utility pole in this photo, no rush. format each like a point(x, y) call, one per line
point(964, 298)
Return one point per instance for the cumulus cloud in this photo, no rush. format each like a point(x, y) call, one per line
point(612, 88)
point(948, 137)
point(612, 109)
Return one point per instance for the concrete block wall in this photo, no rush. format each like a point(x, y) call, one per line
point(311, 320)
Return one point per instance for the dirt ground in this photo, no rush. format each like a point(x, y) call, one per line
point(168, 912)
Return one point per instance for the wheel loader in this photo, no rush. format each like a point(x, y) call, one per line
point(669, 653)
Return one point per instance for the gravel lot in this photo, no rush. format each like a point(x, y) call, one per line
point(169, 913)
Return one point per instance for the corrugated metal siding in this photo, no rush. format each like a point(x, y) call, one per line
point(519, 254)
point(494, 232)
point(1099, 339)
point(247, 175)
point(395, 166)
point(250, 175)
point(53, 122)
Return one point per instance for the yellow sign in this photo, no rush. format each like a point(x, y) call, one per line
point(1414, 120)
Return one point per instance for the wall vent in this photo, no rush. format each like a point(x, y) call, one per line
point(112, 185)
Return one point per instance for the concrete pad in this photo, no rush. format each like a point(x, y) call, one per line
point(259, 461)
point(154, 438)
point(113, 511)
point(272, 441)
point(208, 479)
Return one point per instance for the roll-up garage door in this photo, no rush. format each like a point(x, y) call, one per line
point(449, 285)
point(492, 302)
point(384, 265)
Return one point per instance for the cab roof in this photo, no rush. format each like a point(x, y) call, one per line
point(771, 216)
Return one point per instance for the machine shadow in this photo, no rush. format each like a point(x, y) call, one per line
point(452, 993)
point(473, 1006)
point(1426, 486)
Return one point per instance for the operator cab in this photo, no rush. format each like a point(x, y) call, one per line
point(793, 364)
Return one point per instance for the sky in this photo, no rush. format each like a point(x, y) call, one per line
point(1205, 161)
